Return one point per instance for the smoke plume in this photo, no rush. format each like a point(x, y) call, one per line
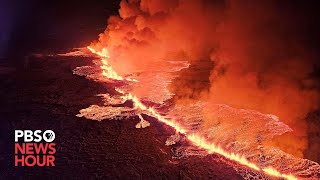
point(257, 55)
point(262, 64)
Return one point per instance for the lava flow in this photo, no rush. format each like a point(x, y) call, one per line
point(195, 139)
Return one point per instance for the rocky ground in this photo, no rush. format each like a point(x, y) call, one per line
point(46, 95)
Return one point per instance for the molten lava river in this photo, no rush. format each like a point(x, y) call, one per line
point(237, 135)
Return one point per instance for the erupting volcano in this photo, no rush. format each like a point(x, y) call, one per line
point(169, 89)
point(212, 77)
point(195, 139)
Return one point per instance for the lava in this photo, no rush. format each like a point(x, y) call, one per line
point(107, 70)
point(195, 139)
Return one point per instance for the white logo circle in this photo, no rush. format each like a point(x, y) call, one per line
point(51, 136)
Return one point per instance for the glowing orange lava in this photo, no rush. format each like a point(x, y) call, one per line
point(107, 70)
point(195, 139)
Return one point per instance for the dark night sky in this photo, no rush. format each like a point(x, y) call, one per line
point(27, 26)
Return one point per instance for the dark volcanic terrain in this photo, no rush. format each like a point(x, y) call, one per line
point(47, 95)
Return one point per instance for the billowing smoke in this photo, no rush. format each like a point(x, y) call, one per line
point(256, 56)
point(151, 31)
point(263, 64)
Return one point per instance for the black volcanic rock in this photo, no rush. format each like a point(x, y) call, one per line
point(48, 96)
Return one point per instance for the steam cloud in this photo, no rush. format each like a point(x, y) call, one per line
point(259, 59)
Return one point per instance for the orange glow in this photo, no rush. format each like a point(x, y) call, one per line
point(273, 172)
point(154, 113)
point(212, 148)
point(195, 139)
point(107, 70)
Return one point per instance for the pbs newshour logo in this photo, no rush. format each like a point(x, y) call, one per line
point(34, 148)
